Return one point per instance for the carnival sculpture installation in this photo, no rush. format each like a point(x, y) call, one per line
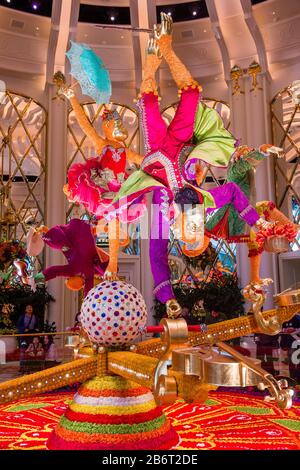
point(122, 379)
point(172, 168)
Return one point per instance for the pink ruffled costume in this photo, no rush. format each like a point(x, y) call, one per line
point(95, 183)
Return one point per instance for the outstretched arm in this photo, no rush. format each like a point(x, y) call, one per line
point(82, 119)
point(153, 125)
point(246, 159)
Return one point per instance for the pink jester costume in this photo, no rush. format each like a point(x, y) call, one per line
point(162, 171)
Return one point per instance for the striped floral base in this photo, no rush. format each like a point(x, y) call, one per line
point(112, 413)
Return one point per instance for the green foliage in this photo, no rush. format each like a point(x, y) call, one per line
point(223, 294)
point(216, 300)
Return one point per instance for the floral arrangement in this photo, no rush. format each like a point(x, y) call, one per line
point(287, 231)
point(6, 323)
point(218, 299)
point(10, 251)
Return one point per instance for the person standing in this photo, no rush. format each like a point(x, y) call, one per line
point(50, 351)
point(27, 323)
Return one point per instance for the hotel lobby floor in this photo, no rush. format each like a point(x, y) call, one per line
point(231, 419)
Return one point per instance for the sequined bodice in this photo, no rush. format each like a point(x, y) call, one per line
point(165, 169)
point(110, 173)
point(113, 159)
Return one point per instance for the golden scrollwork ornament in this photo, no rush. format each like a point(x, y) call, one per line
point(235, 74)
point(253, 70)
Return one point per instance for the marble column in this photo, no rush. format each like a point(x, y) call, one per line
point(56, 200)
point(259, 132)
point(239, 130)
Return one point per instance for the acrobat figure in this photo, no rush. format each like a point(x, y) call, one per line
point(225, 222)
point(163, 170)
point(95, 183)
point(76, 241)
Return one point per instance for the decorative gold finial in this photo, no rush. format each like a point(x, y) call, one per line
point(253, 70)
point(59, 79)
point(235, 74)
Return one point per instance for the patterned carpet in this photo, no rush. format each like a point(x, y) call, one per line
point(229, 419)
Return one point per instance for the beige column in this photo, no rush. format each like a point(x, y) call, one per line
point(239, 130)
point(56, 200)
point(259, 132)
point(251, 123)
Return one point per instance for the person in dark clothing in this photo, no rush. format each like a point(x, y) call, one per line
point(28, 322)
point(290, 342)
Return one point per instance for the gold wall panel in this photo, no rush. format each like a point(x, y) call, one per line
point(285, 115)
point(23, 160)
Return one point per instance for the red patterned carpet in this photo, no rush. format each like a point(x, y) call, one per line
point(228, 420)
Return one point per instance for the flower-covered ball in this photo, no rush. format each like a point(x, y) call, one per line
point(113, 313)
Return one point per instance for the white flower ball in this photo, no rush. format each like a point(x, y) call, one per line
point(113, 313)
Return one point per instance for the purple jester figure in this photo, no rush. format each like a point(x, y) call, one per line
point(76, 241)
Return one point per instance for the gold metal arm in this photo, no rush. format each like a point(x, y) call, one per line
point(277, 388)
point(163, 36)
point(153, 61)
point(86, 126)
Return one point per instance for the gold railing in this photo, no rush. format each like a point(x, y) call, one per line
point(285, 116)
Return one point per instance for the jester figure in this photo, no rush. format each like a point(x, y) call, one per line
point(225, 222)
point(76, 241)
point(171, 162)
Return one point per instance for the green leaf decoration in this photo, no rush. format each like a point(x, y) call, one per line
point(252, 410)
point(26, 407)
point(291, 424)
